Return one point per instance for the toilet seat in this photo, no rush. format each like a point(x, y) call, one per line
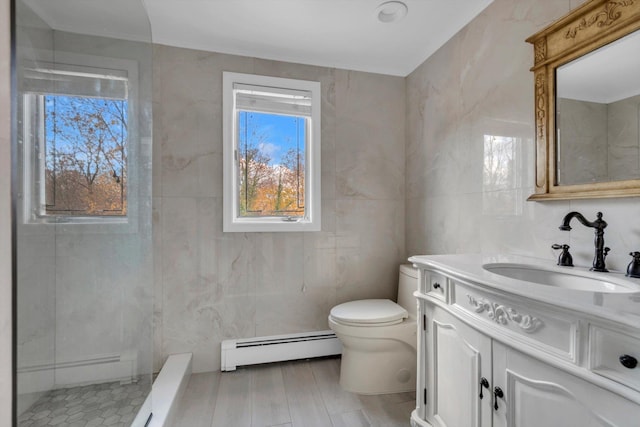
point(369, 312)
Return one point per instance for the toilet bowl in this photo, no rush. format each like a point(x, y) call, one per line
point(379, 340)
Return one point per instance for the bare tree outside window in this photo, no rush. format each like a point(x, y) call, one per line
point(86, 156)
point(271, 154)
point(272, 162)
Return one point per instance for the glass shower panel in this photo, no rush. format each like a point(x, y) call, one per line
point(85, 267)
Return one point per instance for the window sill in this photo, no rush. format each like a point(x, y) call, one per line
point(66, 220)
point(270, 225)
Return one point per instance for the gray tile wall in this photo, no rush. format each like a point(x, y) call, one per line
point(211, 285)
point(479, 84)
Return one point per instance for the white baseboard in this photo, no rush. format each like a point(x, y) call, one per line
point(94, 370)
point(278, 348)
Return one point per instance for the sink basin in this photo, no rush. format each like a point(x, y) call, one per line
point(561, 279)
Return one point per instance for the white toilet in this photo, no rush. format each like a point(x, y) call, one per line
point(379, 340)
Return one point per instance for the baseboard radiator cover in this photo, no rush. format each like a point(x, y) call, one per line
point(278, 348)
point(45, 376)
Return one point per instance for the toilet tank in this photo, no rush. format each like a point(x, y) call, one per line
point(407, 285)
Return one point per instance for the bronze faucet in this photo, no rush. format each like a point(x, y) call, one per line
point(599, 224)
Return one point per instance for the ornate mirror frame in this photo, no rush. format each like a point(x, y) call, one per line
point(587, 28)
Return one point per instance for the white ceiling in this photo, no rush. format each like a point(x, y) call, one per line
point(123, 19)
point(333, 33)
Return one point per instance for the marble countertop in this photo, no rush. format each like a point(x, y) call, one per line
point(623, 307)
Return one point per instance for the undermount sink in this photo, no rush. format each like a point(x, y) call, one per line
point(567, 280)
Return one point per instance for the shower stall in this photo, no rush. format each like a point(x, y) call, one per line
point(83, 213)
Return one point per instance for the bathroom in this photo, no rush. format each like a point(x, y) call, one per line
point(403, 173)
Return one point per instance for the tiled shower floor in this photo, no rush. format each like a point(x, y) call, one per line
point(107, 404)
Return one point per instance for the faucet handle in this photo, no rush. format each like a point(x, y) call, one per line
point(633, 269)
point(564, 259)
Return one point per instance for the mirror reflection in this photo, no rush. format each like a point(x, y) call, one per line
point(598, 115)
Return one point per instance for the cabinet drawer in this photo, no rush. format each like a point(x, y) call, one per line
point(435, 285)
point(606, 347)
point(541, 328)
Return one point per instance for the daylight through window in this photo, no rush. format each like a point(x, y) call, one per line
point(271, 164)
point(85, 151)
point(76, 133)
point(271, 154)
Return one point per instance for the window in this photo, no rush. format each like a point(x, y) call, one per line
point(271, 154)
point(76, 133)
point(85, 155)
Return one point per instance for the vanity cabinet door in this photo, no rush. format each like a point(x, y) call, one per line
point(457, 358)
point(536, 394)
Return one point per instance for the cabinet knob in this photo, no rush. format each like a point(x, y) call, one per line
point(497, 393)
point(436, 285)
point(628, 361)
point(483, 383)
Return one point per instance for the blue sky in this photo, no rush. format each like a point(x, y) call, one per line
point(59, 130)
point(274, 134)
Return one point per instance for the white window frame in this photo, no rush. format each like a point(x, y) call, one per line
point(232, 222)
point(33, 189)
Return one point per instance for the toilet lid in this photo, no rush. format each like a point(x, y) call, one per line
point(369, 312)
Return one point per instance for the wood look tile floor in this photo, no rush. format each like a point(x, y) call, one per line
point(290, 394)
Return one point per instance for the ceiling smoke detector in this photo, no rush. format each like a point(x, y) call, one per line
point(391, 11)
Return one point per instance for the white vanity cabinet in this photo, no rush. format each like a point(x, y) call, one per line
point(457, 357)
point(535, 365)
point(537, 394)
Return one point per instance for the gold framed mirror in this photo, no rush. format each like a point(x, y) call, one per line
point(587, 103)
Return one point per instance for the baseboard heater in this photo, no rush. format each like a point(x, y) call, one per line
point(278, 348)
